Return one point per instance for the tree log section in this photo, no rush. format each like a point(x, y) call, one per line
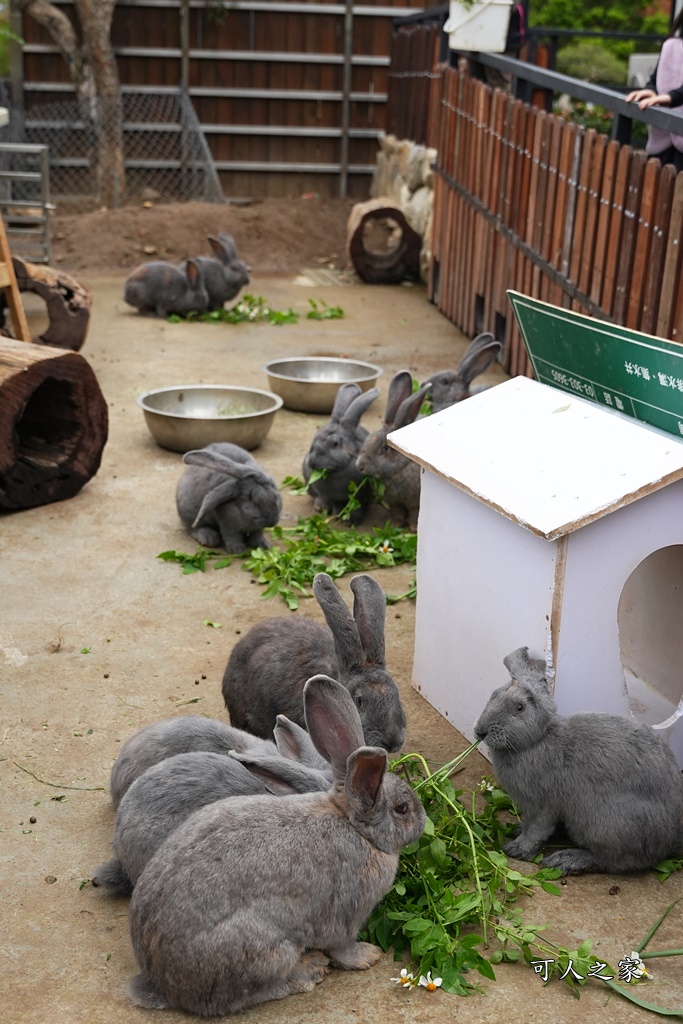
point(53, 424)
point(391, 263)
point(68, 303)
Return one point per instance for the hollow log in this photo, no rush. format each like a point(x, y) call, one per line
point(68, 303)
point(53, 424)
point(382, 246)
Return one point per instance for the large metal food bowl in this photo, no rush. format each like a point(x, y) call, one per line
point(191, 416)
point(310, 384)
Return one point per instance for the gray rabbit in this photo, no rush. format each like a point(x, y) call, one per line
point(451, 386)
point(225, 499)
point(269, 666)
point(170, 791)
point(187, 734)
point(400, 475)
point(225, 275)
point(334, 450)
point(614, 785)
point(254, 898)
point(162, 288)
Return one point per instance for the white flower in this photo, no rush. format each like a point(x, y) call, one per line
point(640, 970)
point(486, 786)
point(385, 547)
point(405, 979)
point(632, 968)
point(431, 984)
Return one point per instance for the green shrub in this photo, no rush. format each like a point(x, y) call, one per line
point(591, 62)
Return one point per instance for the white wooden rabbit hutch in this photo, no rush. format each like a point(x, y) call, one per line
point(549, 521)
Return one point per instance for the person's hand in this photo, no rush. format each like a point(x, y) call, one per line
point(648, 98)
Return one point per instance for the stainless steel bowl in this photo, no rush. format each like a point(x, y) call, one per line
point(311, 383)
point(190, 416)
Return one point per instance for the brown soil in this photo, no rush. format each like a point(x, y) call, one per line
point(272, 235)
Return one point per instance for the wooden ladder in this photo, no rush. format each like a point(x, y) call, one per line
point(8, 283)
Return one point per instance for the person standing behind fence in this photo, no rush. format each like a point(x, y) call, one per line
point(665, 88)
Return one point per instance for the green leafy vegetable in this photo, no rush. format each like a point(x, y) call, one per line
point(255, 309)
point(314, 545)
point(321, 311)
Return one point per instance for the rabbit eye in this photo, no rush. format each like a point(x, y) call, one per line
point(401, 808)
point(520, 707)
point(358, 700)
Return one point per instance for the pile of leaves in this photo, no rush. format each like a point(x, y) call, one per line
point(316, 544)
point(253, 309)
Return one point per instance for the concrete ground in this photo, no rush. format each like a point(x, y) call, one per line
point(83, 575)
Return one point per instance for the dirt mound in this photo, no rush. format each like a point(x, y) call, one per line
point(272, 235)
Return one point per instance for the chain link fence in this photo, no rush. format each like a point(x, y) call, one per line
point(165, 152)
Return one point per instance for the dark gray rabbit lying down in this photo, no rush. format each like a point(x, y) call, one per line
point(162, 288)
point(614, 785)
point(269, 666)
point(170, 791)
point(225, 499)
point(254, 898)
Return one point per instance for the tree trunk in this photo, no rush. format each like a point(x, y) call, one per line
point(96, 17)
point(94, 72)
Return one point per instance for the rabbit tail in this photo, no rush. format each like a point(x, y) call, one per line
point(143, 992)
point(113, 877)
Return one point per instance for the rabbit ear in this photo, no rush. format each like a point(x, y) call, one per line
point(216, 247)
point(294, 743)
point(332, 721)
point(281, 776)
point(226, 491)
point(369, 611)
point(524, 669)
point(347, 645)
point(218, 462)
point(479, 355)
point(192, 273)
point(409, 409)
point(365, 772)
point(400, 388)
point(358, 406)
point(343, 399)
point(228, 244)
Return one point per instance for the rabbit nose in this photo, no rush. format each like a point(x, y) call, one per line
point(480, 733)
point(393, 741)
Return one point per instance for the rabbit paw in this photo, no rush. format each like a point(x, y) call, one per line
point(572, 862)
point(358, 956)
point(521, 848)
point(310, 971)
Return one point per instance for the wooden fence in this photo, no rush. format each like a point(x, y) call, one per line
point(527, 201)
point(292, 96)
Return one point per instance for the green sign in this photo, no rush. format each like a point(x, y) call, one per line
point(636, 374)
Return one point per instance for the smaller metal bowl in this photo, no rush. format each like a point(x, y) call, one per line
point(311, 383)
point(191, 416)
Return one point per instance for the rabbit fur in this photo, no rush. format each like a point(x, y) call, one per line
point(614, 785)
point(335, 448)
point(400, 475)
point(224, 275)
point(269, 666)
point(170, 791)
point(183, 735)
point(253, 898)
point(225, 499)
point(451, 386)
point(162, 288)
